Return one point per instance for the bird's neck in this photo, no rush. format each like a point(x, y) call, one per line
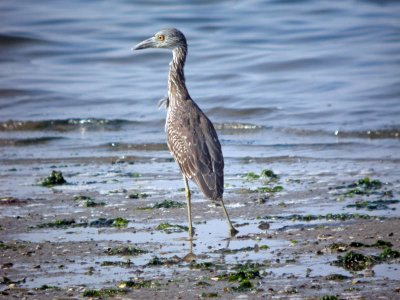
point(177, 91)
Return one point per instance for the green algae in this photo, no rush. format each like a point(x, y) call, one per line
point(269, 174)
point(329, 297)
point(101, 293)
point(382, 244)
point(251, 176)
point(308, 218)
point(81, 198)
point(342, 247)
point(168, 204)
point(234, 251)
point(136, 284)
point(202, 283)
point(87, 201)
point(155, 261)
point(389, 254)
point(55, 178)
point(120, 223)
point(243, 272)
point(337, 277)
point(267, 189)
point(354, 261)
point(134, 174)
point(171, 228)
point(244, 286)
point(92, 203)
point(202, 265)
point(373, 205)
point(162, 261)
point(209, 295)
point(124, 264)
point(101, 222)
point(365, 187)
point(61, 223)
point(126, 251)
point(138, 195)
point(4, 246)
point(265, 174)
point(367, 183)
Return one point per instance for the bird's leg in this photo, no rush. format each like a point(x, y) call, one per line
point(187, 194)
point(232, 229)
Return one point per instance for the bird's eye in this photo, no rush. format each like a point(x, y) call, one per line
point(161, 38)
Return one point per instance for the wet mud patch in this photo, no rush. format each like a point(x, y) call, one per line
point(101, 240)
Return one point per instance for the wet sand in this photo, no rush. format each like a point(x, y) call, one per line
point(64, 241)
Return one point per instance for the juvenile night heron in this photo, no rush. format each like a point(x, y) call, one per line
point(191, 137)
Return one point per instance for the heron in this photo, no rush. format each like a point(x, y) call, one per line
point(191, 136)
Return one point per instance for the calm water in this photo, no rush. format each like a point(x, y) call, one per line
point(314, 79)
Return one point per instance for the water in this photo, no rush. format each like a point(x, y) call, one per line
point(301, 70)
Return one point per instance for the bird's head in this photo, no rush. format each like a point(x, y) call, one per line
point(169, 38)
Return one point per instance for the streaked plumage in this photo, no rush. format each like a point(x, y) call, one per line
point(191, 137)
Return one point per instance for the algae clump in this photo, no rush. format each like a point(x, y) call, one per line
point(55, 178)
point(125, 251)
point(171, 228)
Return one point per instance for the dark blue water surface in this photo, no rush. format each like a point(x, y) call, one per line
point(270, 74)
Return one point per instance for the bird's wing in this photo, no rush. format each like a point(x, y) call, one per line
point(194, 144)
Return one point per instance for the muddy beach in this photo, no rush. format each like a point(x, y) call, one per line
point(304, 96)
point(117, 229)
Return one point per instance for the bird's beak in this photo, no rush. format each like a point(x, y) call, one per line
point(149, 43)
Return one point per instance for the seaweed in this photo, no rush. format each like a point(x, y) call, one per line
point(87, 201)
point(171, 228)
point(45, 287)
point(244, 285)
point(106, 292)
point(161, 261)
point(373, 205)
point(336, 277)
point(92, 203)
point(234, 251)
point(55, 178)
point(103, 222)
point(202, 265)
point(267, 189)
point(329, 297)
point(382, 244)
point(354, 261)
point(243, 272)
point(307, 218)
point(168, 204)
point(126, 251)
point(108, 263)
point(364, 186)
point(389, 254)
point(62, 223)
point(136, 284)
point(269, 174)
point(265, 174)
point(155, 261)
point(209, 295)
point(138, 196)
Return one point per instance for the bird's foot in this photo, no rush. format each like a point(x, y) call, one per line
point(233, 231)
